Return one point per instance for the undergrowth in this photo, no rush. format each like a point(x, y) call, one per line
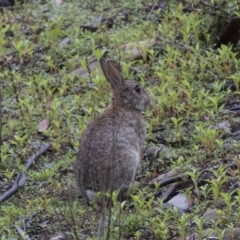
point(41, 44)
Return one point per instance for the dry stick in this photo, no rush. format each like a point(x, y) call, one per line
point(180, 177)
point(36, 156)
point(171, 189)
point(21, 177)
point(170, 180)
point(214, 8)
point(176, 179)
point(234, 108)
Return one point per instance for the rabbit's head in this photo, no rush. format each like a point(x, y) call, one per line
point(126, 94)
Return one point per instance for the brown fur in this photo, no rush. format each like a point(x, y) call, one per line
point(110, 147)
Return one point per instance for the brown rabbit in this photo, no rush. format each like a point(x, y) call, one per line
point(110, 147)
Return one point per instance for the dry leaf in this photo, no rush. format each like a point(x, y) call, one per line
point(94, 26)
point(58, 2)
point(97, 21)
point(9, 58)
point(137, 50)
point(83, 72)
point(207, 118)
point(223, 125)
point(103, 18)
point(162, 3)
point(64, 42)
point(43, 125)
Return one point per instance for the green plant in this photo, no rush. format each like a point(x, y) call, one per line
point(177, 124)
point(200, 228)
point(183, 222)
point(23, 47)
point(195, 174)
point(40, 47)
point(207, 137)
point(217, 183)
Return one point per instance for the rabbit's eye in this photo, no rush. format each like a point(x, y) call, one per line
point(137, 89)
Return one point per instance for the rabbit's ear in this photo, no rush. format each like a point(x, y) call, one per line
point(111, 70)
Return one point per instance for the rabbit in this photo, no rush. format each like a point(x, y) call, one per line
point(110, 147)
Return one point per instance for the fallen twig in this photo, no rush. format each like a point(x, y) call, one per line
point(169, 192)
point(22, 177)
point(234, 108)
point(170, 180)
point(36, 156)
point(180, 177)
point(165, 196)
point(175, 183)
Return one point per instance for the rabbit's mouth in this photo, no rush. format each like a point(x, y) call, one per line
point(143, 104)
point(135, 104)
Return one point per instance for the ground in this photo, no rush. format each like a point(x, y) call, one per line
point(52, 87)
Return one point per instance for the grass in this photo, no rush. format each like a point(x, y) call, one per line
point(185, 77)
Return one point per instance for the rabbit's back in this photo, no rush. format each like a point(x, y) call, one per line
point(109, 152)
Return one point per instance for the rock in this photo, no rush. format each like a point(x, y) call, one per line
point(231, 234)
point(209, 216)
point(212, 215)
point(180, 201)
point(59, 237)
